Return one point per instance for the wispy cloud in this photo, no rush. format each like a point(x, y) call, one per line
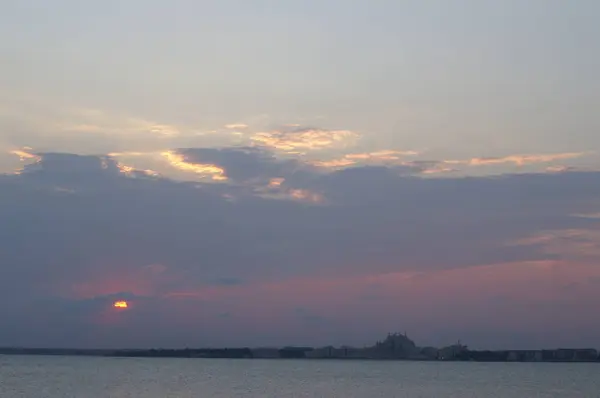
point(305, 139)
point(438, 170)
point(571, 244)
point(276, 188)
point(305, 195)
point(592, 216)
point(54, 127)
point(519, 160)
point(23, 154)
point(98, 121)
point(559, 169)
point(207, 170)
point(236, 126)
point(133, 172)
point(377, 157)
point(434, 167)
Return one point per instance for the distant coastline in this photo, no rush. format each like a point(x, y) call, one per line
point(394, 347)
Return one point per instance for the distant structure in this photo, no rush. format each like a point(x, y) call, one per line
point(396, 346)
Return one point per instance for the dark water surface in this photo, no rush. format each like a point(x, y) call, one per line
point(89, 377)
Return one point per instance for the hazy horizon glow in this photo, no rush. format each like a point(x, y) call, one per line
point(268, 173)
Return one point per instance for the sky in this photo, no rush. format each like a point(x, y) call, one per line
point(299, 172)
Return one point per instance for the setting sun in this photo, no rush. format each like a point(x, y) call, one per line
point(121, 304)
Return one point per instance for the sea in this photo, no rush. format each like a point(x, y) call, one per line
point(101, 377)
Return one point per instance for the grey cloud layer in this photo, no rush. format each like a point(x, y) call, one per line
point(375, 215)
point(68, 220)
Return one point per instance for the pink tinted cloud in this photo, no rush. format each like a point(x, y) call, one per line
point(141, 281)
point(527, 294)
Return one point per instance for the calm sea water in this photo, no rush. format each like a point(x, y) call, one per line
point(81, 377)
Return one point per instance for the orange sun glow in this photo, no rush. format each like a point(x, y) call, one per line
point(120, 304)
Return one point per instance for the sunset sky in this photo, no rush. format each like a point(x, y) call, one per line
point(276, 172)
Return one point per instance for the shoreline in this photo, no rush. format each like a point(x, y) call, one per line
point(500, 356)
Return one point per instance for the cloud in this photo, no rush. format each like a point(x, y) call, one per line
point(378, 157)
point(133, 172)
point(50, 126)
point(590, 215)
point(242, 164)
point(96, 121)
point(255, 170)
point(24, 155)
point(236, 126)
point(208, 170)
point(559, 169)
point(77, 230)
point(572, 244)
point(519, 160)
point(50, 118)
point(296, 139)
point(306, 195)
point(402, 159)
point(381, 155)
